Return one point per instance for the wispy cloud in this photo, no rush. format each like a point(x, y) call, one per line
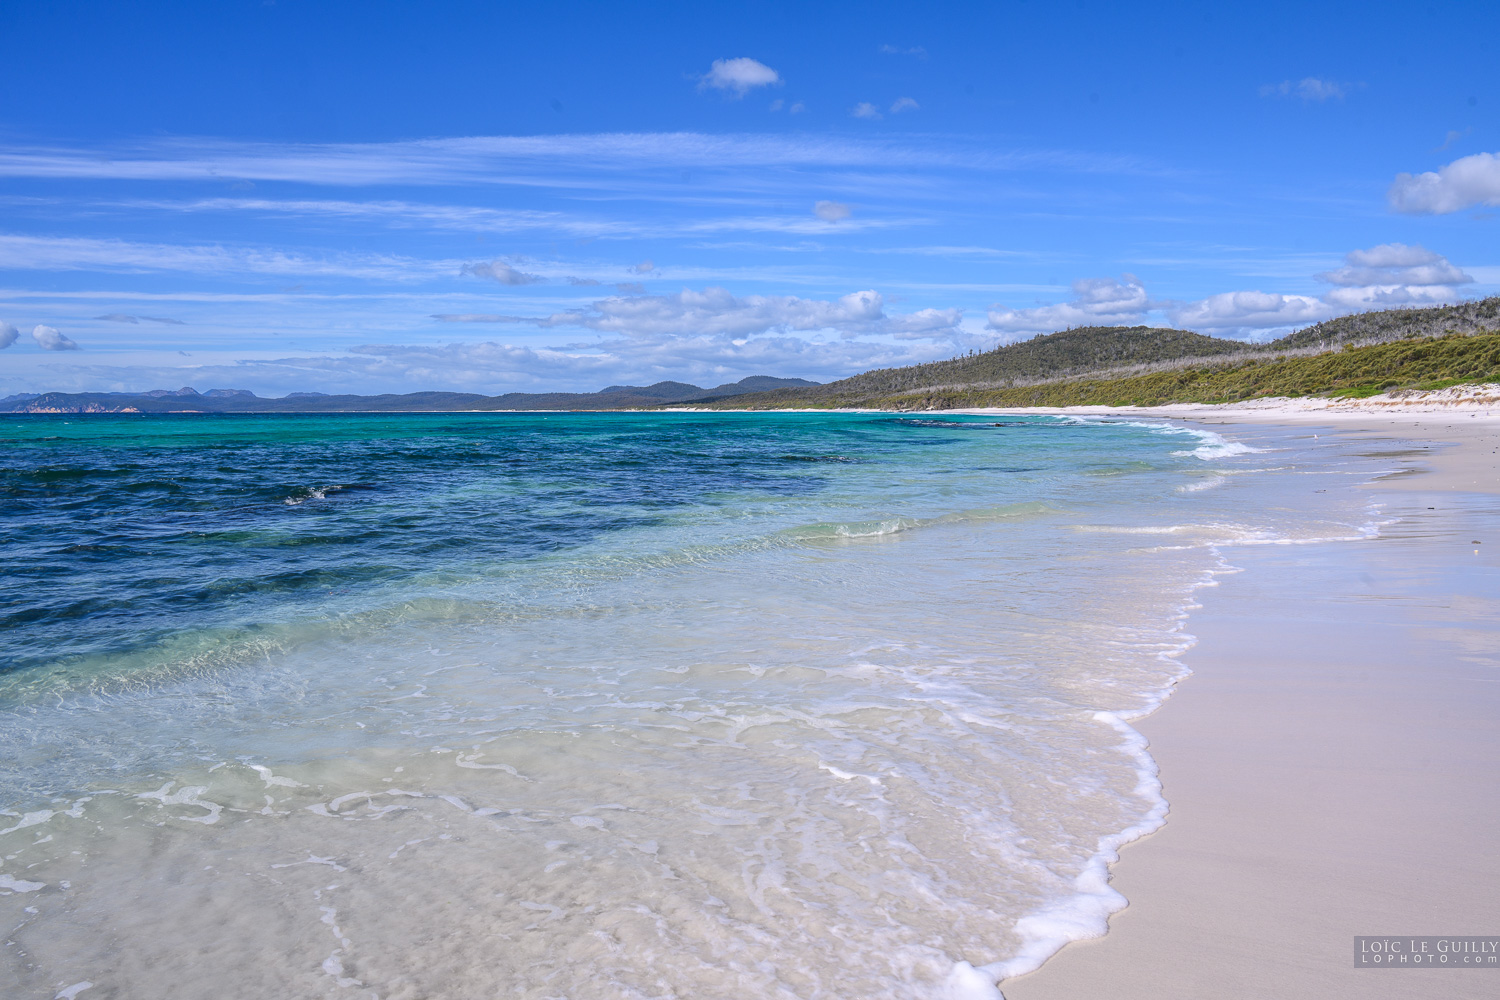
point(502, 273)
point(556, 161)
point(410, 215)
point(1453, 136)
point(55, 253)
point(831, 211)
point(124, 318)
point(904, 104)
point(1309, 88)
point(864, 109)
point(894, 50)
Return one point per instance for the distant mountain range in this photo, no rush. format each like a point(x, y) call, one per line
point(189, 400)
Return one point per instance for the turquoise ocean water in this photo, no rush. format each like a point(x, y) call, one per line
point(595, 705)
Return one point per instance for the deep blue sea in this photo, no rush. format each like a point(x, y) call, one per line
point(595, 705)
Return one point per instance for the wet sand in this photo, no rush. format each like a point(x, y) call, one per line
point(1332, 763)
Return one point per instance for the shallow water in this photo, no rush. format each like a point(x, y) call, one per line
point(594, 705)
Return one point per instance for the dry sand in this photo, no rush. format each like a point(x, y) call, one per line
point(1333, 764)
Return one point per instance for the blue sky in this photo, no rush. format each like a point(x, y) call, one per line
point(376, 197)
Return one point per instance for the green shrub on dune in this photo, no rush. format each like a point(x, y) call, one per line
point(1354, 371)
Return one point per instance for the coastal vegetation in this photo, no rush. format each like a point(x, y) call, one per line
point(1432, 363)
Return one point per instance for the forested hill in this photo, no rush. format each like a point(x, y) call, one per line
point(1398, 324)
point(1053, 355)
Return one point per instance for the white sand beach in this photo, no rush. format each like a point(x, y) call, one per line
point(1330, 763)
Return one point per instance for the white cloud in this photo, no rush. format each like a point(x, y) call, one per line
point(1382, 277)
point(831, 211)
point(1471, 180)
point(644, 267)
point(717, 312)
point(904, 104)
point(8, 335)
point(1096, 302)
point(1346, 300)
point(503, 273)
point(739, 76)
point(493, 367)
point(1309, 88)
point(1249, 311)
point(1395, 264)
point(51, 340)
point(797, 109)
point(892, 50)
point(777, 104)
point(865, 109)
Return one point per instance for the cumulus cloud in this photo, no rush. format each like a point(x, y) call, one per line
point(1395, 264)
point(1381, 277)
point(51, 340)
point(904, 104)
point(864, 109)
point(1471, 180)
point(503, 273)
point(8, 335)
point(738, 76)
point(644, 267)
point(831, 211)
point(1309, 88)
point(715, 312)
point(1249, 311)
point(1096, 302)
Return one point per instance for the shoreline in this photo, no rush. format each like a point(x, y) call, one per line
point(1327, 765)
